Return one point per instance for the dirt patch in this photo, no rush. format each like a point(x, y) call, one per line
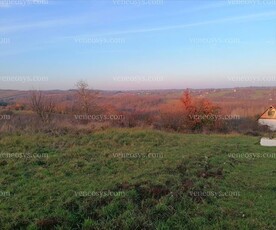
point(48, 223)
point(216, 173)
point(187, 185)
point(158, 191)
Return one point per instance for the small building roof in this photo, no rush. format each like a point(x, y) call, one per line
point(270, 113)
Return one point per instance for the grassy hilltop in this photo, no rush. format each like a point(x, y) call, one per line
point(136, 179)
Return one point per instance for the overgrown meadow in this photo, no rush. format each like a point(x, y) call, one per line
point(136, 179)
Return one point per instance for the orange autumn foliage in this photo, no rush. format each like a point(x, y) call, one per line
point(190, 114)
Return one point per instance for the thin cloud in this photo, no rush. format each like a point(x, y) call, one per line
point(73, 20)
point(236, 19)
point(41, 25)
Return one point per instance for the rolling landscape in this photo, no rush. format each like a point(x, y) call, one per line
point(137, 115)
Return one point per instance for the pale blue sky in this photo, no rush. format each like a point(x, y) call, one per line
point(195, 44)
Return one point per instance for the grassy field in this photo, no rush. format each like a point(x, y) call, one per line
point(136, 179)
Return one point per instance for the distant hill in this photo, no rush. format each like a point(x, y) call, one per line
point(243, 101)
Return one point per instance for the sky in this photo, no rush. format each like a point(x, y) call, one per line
point(137, 44)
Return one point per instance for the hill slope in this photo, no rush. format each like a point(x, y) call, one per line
point(136, 179)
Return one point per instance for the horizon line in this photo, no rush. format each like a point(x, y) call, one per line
point(127, 90)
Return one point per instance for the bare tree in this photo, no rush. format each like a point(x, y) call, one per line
point(85, 97)
point(44, 106)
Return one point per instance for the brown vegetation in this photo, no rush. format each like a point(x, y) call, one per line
point(42, 105)
point(191, 111)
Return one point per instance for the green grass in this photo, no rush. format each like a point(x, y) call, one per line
point(155, 192)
